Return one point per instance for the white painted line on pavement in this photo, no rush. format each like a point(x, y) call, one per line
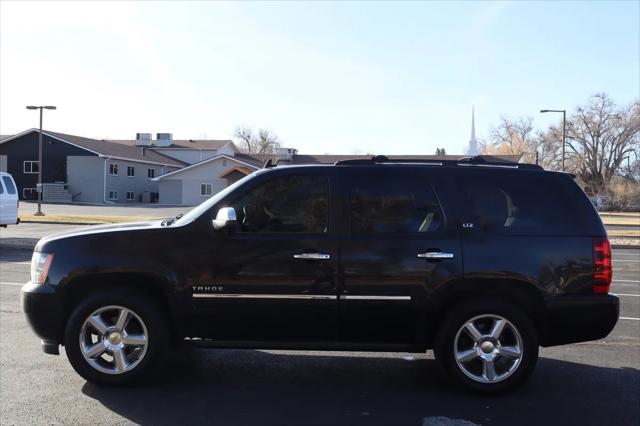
point(625, 261)
point(8, 283)
point(626, 295)
point(16, 263)
point(630, 318)
point(626, 281)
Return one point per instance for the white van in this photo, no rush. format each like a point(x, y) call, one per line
point(8, 201)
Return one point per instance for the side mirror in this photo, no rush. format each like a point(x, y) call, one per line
point(226, 218)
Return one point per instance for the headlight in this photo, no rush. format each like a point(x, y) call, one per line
point(40, 264)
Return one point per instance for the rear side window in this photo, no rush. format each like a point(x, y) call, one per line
point(8, 183)
point(393, 205)
point(285, 204)
point(1, 188)
point(520, 204)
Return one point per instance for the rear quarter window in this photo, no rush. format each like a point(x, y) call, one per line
point(522, 204)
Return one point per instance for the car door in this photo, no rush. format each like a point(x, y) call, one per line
point(4, 200)
point(400, 245)
point(8, 201)
point(273, 277)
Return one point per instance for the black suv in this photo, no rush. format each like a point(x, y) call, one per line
point(482, 262)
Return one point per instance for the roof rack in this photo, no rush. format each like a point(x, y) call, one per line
point(268, 164)
point(466, 161)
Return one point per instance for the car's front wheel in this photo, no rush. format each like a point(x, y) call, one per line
point(114, 337)
point(487, 346)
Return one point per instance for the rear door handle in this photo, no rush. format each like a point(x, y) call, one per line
point(435, 255)
point(312, 256)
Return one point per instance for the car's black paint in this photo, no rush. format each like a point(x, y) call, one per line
point(176, 262)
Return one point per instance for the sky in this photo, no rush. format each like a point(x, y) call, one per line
point(339, 78)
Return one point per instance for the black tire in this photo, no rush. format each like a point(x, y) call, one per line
point(484, 311)
point(146, 309)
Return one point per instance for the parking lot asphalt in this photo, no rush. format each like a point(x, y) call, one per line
point(588, 383)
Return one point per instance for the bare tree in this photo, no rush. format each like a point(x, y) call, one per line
point(244, 138)
point(549, 147)
point(512, 137)
point(600, 136)
point(262, 142)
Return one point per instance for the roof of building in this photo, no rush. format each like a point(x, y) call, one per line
point(181, 143)
point(241, 161)
point(108, 149)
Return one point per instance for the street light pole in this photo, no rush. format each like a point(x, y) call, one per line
point(39, 189)
point(564, 129)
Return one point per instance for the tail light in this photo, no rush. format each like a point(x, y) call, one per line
point(602, 266)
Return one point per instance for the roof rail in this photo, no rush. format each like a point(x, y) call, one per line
point(465, 161)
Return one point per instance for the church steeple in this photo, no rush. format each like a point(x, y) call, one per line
point(473, 143)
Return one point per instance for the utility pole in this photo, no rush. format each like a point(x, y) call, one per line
point(39, 189)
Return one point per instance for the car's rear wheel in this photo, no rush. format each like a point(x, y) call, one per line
point(487, 346)
point(114, 337)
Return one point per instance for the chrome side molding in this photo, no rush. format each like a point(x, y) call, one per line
point(312, 256)
point(375, 297)
point(435, 255)
point(296, 296)
point(264, 296)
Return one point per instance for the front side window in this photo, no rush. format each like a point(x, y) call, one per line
point(113, 169)
point(205, 189)
point(393, 205)
point(30, 167)
point(8, 183)
point(285, 204)
point(131, 171)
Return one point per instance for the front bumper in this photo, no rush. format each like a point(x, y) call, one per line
point(43, 309)
point(573, 319)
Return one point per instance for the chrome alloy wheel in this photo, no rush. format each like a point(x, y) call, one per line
point(488, 348)
point(113, 339)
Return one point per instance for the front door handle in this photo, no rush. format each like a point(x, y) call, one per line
point(312, 256)
point(435, 255)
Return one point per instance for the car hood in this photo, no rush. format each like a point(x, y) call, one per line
point(99, 229)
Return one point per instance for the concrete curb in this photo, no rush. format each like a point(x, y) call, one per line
point(625, 246)
point(22, 245)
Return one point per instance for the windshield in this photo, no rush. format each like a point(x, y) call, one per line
point(197, 211)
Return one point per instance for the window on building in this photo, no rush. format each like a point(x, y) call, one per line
point(151, 173)
point(131, 195)
point(285, 204)
point(30, 167)
point(113, 169)
point(29, 193)
point(205, 189)
point(392, 205)
point(131, 171)
point(112, 195)
point(8, 183)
